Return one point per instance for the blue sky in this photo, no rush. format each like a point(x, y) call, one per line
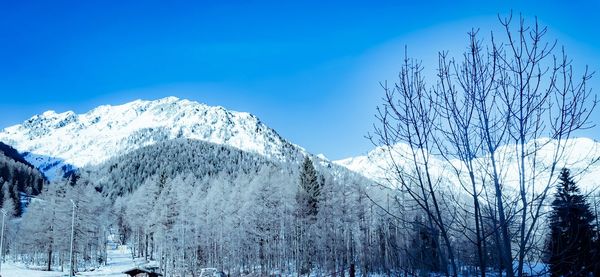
point(310, 70)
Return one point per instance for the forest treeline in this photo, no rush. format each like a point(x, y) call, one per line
point(18, 178)
point(189, 204)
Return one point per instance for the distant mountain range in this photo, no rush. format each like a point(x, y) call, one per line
point(581, 155)
point(59, 142)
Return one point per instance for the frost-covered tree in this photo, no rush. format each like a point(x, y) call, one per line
point(8, 202)
point(39, 226)
point(46, 226)
point(190, 204)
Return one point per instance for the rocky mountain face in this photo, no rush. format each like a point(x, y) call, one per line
point(55, 142)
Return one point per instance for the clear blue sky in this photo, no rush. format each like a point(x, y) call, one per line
point(308, 69)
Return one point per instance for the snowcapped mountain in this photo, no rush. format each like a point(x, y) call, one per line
point(52, 139)
point(581, 155)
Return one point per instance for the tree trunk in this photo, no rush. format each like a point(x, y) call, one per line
point(49, 260)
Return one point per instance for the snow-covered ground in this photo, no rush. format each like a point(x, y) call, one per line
point(119, 260)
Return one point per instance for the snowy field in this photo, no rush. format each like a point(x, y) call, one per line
point(119, 260)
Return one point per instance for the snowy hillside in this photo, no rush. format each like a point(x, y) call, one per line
point(578, 155)
point(107, 131)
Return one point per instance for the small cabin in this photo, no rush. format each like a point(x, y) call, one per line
point(142, 272)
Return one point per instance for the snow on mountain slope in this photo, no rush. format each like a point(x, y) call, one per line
point(52, 167)
point(107, 131)
point(581, 155)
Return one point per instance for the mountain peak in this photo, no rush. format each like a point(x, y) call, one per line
point(106, 131)
point(169, 99)
point(49, 113)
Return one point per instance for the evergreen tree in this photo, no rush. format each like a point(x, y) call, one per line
point(7, 202)
point(571, 231)
point(596, 254)
point(307, 199)
point(309, 191)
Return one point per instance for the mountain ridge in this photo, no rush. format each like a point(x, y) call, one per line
point(53, 140)
point(582, 155)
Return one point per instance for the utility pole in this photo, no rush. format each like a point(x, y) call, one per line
point(72, 237)
point(2, 240)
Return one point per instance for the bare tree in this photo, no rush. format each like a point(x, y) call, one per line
point(407, 116)
point(459, 84)
point(499, 105)
point(542, 98)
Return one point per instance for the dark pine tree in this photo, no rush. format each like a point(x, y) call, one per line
point(570, 246)
point(596, 254)
point(309, 192)
point(307, 199)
